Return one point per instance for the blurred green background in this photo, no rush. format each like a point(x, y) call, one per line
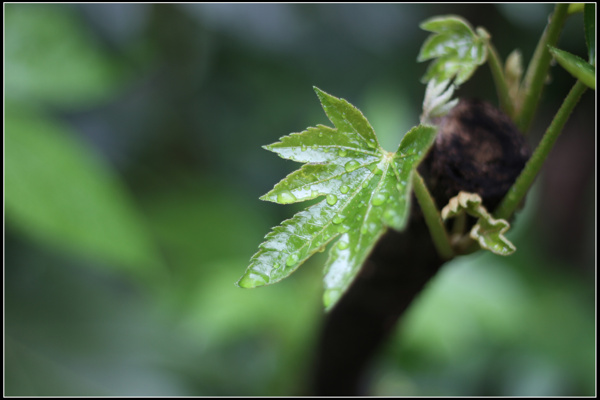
point(133, 169)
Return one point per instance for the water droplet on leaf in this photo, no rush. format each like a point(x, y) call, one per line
point(343, 229)
point(351, 165)
point(285, 197)
point(338, 219)
point(292, 260)
point(331, 199)
point(389, 214)
point(253, 279)
point(342, 245)
point(378, 199)
point(344, 189)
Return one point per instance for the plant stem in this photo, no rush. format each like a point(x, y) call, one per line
point(537, 71)
point(432, 218)
point(519, 189)
point(500, 81)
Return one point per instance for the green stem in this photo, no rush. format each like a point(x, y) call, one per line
point(519, 189)
point(432, 218)
point(537, 71)
point(460, 223)
point(500, 81)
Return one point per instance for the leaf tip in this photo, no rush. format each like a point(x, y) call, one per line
point(321, 94)
point(330, 298)
point(269, 147)
point(250, 280)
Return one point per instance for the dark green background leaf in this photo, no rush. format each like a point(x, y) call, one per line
point(60, 193)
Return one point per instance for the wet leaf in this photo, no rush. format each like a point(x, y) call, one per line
point(458, 50)
point(363, 189)
point(576, 66)
point(488, 232)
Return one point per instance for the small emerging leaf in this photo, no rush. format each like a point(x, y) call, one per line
point(513, 72)
point(457, 48)
point(488, 232)
point(576, 66)
point(463, 201)
point(437, 101)
point(364, 190)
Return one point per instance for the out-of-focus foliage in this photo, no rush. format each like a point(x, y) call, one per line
point(133, 167)
point(52, 56)
point(58, 192)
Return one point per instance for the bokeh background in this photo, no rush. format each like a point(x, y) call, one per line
point(133, 167)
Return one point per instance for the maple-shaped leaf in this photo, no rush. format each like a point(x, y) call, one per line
point(365, 188)
point(458, 50)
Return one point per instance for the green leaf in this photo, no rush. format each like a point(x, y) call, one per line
point(488, 232)
point(365, 188)
point(576, 66)
point(589, 21)
point(61, 194)
point(458, 50)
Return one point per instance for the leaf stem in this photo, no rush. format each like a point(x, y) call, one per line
point(500, 81)
point(537, 71)
point(519, 189)
point(432, 218)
